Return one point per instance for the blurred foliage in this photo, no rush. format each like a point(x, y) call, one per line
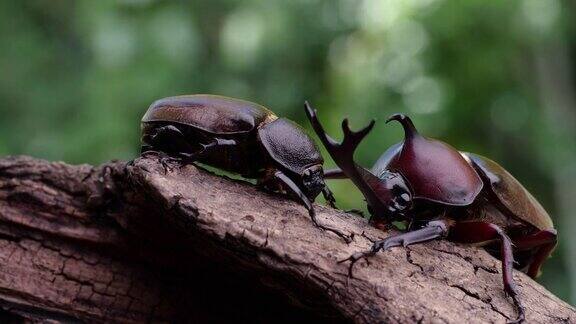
point(495, 78)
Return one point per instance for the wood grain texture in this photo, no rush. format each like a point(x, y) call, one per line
point(137, 242)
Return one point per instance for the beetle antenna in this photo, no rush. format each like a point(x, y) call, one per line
point(409, 130)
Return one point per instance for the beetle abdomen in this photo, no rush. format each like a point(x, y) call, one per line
point(213, 114)
point(511, 192)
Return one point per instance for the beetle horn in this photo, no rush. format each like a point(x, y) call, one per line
point(409, 130)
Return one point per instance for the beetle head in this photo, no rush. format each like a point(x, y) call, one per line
point(394, 194)
point(313, 181)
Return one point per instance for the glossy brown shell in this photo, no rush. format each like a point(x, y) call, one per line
point(434, 170)
point(210, 113)
point(511, 193)
point(289, 145)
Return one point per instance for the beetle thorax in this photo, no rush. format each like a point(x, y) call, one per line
point(288, 145)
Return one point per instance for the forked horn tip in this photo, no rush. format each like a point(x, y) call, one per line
point(311, 112)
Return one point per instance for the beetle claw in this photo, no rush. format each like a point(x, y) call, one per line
point(347, 238)
point(355, 257)
point(512, 293)
point(520, 319)
point(521, 316)
point(165, 161)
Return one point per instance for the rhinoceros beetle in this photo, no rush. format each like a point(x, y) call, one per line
point(241, 137)
point(443, 193)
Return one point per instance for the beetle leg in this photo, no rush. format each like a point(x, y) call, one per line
point(335, 173)
point(541, 255)
point(432, 230)
point(329, 196)
point(169, 139)
point(543, 242)
point(355, 211)
point(214, 145)
point(308, 204)
point(476, 232)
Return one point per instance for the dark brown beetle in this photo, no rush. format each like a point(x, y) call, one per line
point(442, 193)
point(241, 137)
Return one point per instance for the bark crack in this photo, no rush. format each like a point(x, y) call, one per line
point(469, 260)
point(411, 261)
point(487, 301)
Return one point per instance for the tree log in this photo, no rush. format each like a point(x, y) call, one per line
point(141, 242)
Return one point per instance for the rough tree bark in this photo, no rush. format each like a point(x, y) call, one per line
point(138, 243)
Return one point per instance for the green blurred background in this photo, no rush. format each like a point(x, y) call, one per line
point(492, 77)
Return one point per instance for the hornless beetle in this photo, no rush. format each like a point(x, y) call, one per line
point(241, 137)
point(443, 193)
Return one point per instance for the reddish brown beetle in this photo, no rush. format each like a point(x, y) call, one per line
point(443, 193)
point(241, 137)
